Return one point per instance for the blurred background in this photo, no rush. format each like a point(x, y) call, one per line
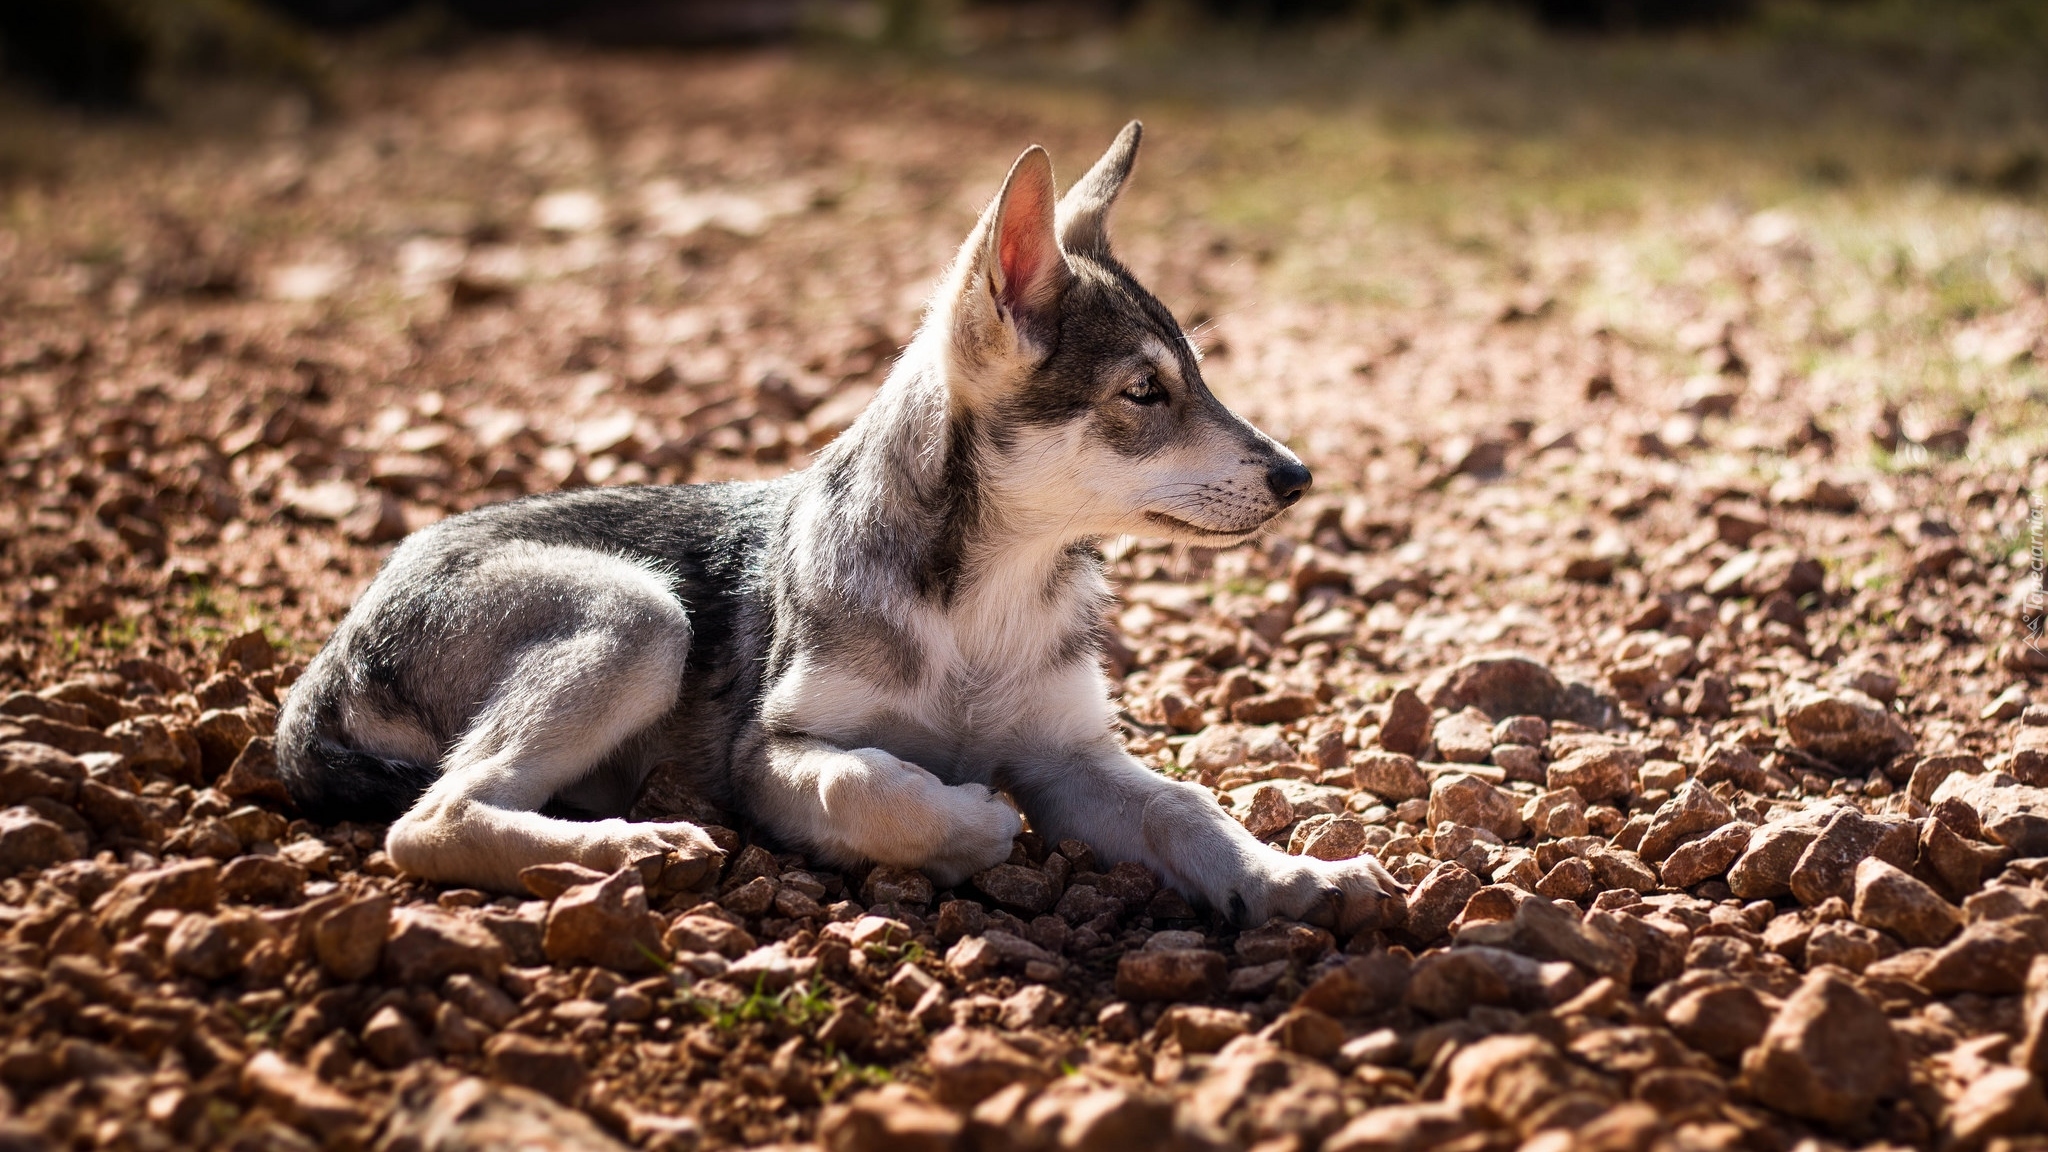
point(285, 279)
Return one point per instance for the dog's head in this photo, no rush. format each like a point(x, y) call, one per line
point(1080, 386)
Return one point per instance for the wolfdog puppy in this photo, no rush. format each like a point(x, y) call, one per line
point(870, 660)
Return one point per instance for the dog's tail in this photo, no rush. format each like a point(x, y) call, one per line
point(331, 781)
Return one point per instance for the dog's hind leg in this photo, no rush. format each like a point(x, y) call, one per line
point(561, 702)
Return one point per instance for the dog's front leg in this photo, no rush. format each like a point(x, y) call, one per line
point(1125, 811)
point(863, 804)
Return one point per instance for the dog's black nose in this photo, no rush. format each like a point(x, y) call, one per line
point(1288, 481)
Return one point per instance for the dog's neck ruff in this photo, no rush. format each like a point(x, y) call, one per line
point(905, 491)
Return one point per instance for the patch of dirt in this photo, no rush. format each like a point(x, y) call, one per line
point(1693, 700)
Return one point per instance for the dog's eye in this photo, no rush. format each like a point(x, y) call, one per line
point(1146, 391)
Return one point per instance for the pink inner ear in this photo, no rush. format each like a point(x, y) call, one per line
point(1020, 260)
point(1025, 243)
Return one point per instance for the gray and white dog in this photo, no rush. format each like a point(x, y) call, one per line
point(869, 660)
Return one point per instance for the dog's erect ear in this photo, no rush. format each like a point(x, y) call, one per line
point(1084, 210)
point(1022, 267)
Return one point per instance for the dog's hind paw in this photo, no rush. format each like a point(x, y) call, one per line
point(676, 855)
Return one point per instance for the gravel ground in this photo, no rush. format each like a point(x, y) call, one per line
point(1671, 650)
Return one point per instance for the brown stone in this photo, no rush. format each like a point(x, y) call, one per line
point(1359, 986)
point(1081, 903)
point(299, 1096)
point(1506, 1079)
point(1989, 958)
point(1437, 900)
point(1569, 879)
point(1707, 857)
point(606, 924)
point(1022, 889)
point(188, 885)
point(1764, 870)
point(472, 1115)
point(1845, 727)
point(1556, 814)
point(1131, 883)
point(1214, 750)
point(1828, 866)
point(1446, 985)
point(1892, 901)
point(1402, 1128)
point(888, 884)
point(148, 744)
point(1733, 764)
point(1460, 799)
point(1660, 945)
point(1681, 1094)
point(427, 945)
point(1544, 930)
point(1273, 708)
point(1959, 865)
point(1500, 685)
point(1340, 838)
point(892, 1118)
point(1200, 1029)
point(2032, 1053)
point(696, 933)
point(1930, 771)
point(971, 1064)
point(1619, 868)
point(1830, 1055)
point(1464, 737)
point(1845, 944)
point(548, 881)
point(2012, 813)
point(1602, 773)
point(1691, 810)
point(392, 1039)
point(1171, 974)
point(262, 880)
point(349, 941)
point(1284, 939)
point(75, 739)
point(1722, 1020)
point(1267, 812)
point(1078, 1115)
point(28, 770)
point(770, 968)
point(545, 1066)
point(750, 899)
point(1391, 776)
point(222, 734)
point(2001, 1102)
point(1306, 1032)
point(114, 812)
point(483, 1002)
point(27, 841)
point(198, 947)
point(1405, 730)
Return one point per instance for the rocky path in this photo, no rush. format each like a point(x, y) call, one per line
point(1689, 691)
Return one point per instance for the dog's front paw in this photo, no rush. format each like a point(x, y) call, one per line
point(1347, 895)
point(982, 829)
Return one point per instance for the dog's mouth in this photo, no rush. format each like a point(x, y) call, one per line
point(1182, 526)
